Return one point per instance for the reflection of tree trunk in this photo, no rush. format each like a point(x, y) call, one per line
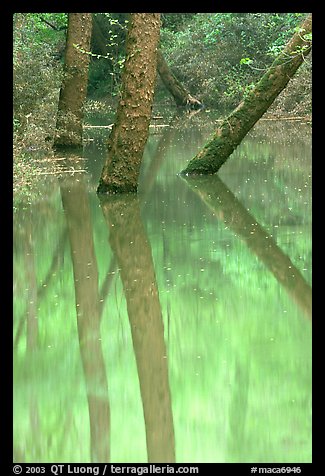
point(238, 412)
point(221, 200)
point(160, 153)
point(104, 290)
point(131, 247)
point(174, 86)
point(41, 290)
point(31, 328)
point(76, 207)
point(30, 273)
point(149, 180)
point(235, 127)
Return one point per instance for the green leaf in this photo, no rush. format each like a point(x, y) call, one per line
point(246, 61)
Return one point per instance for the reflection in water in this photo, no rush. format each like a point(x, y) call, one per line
point(32, 333)
point(30, 276)
point(149, 180)
point(237, 382)
point(132, 250)
point(77, 212)
point(236, 438)
point(156, 158)
point(39, 293)
point(227, 208)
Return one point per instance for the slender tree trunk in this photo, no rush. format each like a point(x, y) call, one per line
point(74, 85)
point(128, 240)
point(235, 127)
point(130, 131)
point(177, 90)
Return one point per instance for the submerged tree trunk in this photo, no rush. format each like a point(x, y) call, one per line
point(235, 127)
point(74, 85)
point(130, 131)
point(177, 90)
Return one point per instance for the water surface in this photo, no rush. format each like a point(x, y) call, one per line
point(174, 325)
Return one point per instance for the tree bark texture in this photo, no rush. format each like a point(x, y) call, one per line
point(131, 128)
point(74, 85)
point(174, 86)
point(235, 127)
point(129, 242)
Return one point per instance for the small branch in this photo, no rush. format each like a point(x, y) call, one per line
point(53, 26)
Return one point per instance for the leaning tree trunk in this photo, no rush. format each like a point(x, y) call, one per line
point(74, 85)
point(177, 90)
point(235, 127)
point(130, 131)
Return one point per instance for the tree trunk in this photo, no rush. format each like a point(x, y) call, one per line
point(74, 85)
point(177, 90)
point(130, 131)
point(128, 240)
point(235, 127)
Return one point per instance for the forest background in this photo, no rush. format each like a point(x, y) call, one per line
point(218, 57)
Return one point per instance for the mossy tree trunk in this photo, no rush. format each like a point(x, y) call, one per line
point(235, 127)
point(174, 86)
point(74, 85)
point(130, 131)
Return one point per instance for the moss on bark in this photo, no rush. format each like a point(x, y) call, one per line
point(235, 127)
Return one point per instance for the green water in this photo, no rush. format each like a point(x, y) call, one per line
point(172, 326)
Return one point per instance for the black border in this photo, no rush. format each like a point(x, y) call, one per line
point(6, 459)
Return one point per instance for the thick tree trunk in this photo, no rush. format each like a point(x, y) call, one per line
point(235, 127)
point(177, 90)
point(74, 85)
point(130, 131)
point(128, 240)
